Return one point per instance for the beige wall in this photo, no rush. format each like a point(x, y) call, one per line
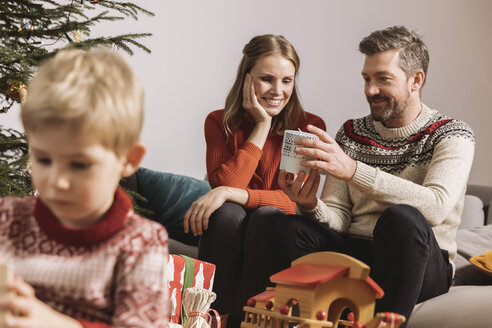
point(197, 46)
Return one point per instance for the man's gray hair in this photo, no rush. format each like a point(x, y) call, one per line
point(414, 55)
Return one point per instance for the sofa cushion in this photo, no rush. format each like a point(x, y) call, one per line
point(473, 213)
point(169, 196)
point(462, 306)
point(472, 242)
point(177, 247)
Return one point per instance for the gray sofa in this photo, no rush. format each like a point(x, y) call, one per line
point(469, 301)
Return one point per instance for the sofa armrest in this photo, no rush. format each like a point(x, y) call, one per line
point(473, 213)
point(485, 194)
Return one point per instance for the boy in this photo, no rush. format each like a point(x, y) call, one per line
point(81, 256)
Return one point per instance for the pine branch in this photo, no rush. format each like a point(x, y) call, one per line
point(32, 31)
point(120, 41)
point(127, 8)
point(15, 179)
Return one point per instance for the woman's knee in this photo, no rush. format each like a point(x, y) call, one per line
point(262, 218)
point(224, 235)
point(230, 216)
point(265, 211)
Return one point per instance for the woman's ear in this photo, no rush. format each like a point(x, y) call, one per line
point(133, 159)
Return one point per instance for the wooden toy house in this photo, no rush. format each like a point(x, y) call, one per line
point(315, 291)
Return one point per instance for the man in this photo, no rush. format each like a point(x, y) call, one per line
point(394, 189)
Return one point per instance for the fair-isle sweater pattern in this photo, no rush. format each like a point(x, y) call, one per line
point(425, 164)
point(112, 274)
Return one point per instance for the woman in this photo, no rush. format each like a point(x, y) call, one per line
point(244, 143)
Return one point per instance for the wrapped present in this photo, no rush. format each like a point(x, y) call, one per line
point(185, 272)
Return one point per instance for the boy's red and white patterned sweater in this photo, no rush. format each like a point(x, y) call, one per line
point(112, 274)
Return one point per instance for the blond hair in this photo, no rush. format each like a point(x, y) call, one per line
point(257, 47)
point(94, 92)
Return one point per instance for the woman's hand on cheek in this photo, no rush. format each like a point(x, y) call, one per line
point(251, 104)
point(197, 216)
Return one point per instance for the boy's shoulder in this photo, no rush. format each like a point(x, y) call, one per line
point(147, 232)
point(17, 206)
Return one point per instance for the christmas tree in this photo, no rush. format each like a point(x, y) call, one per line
point(32, 31)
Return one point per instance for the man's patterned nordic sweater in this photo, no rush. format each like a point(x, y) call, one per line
point(360, 140)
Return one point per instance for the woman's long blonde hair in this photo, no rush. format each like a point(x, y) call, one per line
point(259, 46)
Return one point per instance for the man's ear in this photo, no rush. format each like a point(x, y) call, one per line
point(133, 159)
point(418, 80)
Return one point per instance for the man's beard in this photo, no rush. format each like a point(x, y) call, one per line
point(391, 110)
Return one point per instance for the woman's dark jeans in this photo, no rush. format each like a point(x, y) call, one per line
point(223, 244)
